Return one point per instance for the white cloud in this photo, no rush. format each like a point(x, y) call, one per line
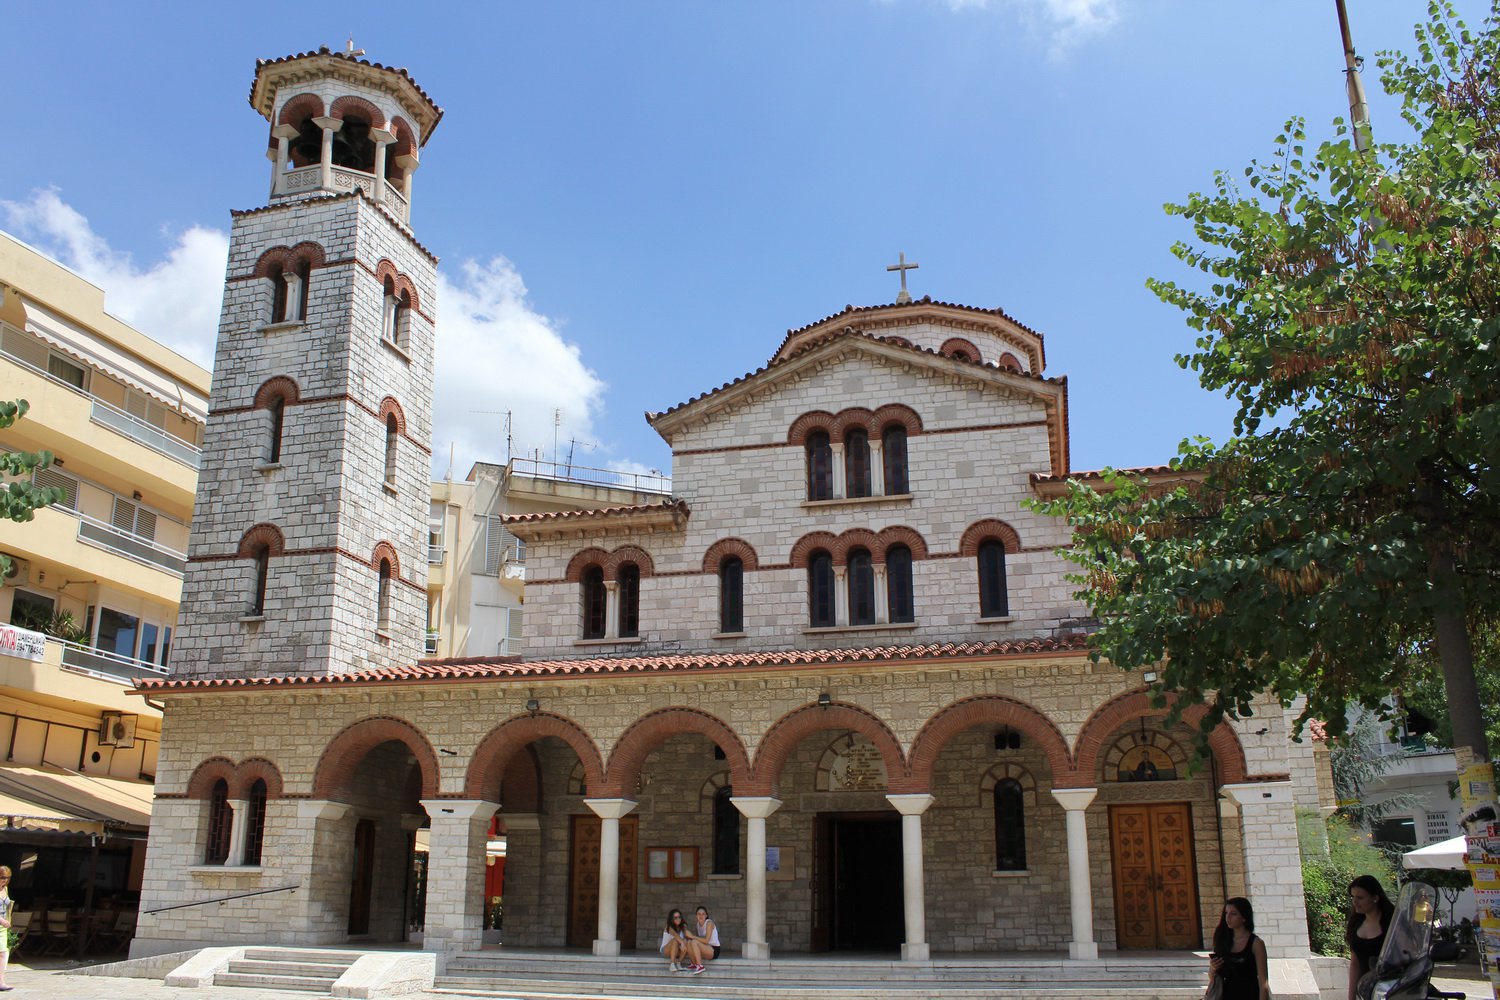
point(174, 300)
point(1067, 22)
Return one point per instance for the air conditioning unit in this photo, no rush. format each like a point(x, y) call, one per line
point(117, 730)
point(18, 573)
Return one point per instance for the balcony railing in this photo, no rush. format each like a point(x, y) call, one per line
point(306, 180)
point(151, 436)
point(106, 536)
point(104, 664)
point(639, 482)
point(434, 555)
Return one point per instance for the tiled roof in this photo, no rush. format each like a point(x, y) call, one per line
point(926, 300)
point(236, 213)
point(1319, 730)
point(1145, 470)
point(510, 667)
point(324, 50)
point(679, 506)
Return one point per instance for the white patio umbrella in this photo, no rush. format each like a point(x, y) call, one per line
point(1448, 854)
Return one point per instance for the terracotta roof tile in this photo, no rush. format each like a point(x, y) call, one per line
point(324, 50)
point(926, 300)
point(1145, 470)
point(680, 506)
point(502, 667)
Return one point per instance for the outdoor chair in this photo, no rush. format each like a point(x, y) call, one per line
point(20, 922)
point(56, 937)
point(117, 936)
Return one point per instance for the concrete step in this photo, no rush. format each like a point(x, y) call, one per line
point(309, 970)
point(320, 955)
point(305, 984)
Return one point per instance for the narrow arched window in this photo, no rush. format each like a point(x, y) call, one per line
point(401, 320)
point(389, 309)
point(220, 820)
point(898, 589)
point(820, 599)
point(278, 419)
point(819, 466)
point(893, 452)
point(629, 590)
point(993, 601)
point(255, 823)
point(731, 595)
point(1010, 826)
point(857, 463)
point(383, 596)
point(278, 293)
point(594, 598)
point(261, 574)
point(304, 286)
point(391, 433)
point(726, 833)
point(861, 588)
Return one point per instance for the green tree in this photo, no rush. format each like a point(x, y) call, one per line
point(20, 497)
point(1349, 304)
point(1424, 688)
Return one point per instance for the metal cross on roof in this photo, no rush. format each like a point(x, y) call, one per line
point(351, 50)
point(903, 267)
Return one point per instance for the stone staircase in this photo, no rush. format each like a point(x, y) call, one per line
point(580, 976)
point(286, 969)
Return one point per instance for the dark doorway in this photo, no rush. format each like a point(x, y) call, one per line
point(362, 876)
point(857, 894)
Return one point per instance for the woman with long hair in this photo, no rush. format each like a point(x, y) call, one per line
point(1239, 957)
point(1370, 915)
point(5, 910)
point(703, 934)
point(676, 947)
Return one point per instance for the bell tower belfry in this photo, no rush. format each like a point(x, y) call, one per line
point(308, 549)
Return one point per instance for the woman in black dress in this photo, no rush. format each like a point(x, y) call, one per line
point(1239, 957)
point(1370, 913)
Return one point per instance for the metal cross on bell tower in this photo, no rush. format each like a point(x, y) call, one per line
point(903, 267)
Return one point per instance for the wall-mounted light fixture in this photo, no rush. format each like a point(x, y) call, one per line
point(825, 699)
point(533, 706)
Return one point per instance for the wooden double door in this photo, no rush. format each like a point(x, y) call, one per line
point(1156, 879)
point(583, 894)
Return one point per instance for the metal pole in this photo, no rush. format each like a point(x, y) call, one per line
point(1359, 108)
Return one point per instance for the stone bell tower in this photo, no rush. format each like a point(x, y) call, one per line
point(309, 540)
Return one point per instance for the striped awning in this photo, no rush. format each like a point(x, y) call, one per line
point(51, 798)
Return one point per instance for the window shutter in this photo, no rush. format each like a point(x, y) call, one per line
point(24, 348)
point(145, 524)
point(123, 516)
point(495, 539)
point(52, 478)
point(513, 627)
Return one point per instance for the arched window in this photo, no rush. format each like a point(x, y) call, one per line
point(220, 820)
point(390, 312)
point(726, 833)
point(278, 419)
point(383, 596)
point(861, 588)
point(261, 573)
point(304, 285)
point(820, 601)
point(857, 463)
point(731, 595)
point(401, 320)
point(898, 589)
point(992, 597)
point(391, 433)
point(255, 823)
point(1010, 826)
point(819, 466)
point(893, 452)
point(593, 603)
point(629, 590)
point(278, 293)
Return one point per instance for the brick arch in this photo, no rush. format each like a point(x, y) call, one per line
point(1223, 742)
point(521, 784)
point(629, 553)
point(390, 408)
point(782, 738)
point(989, 710)
point(264, 533)
point(730, 547)
point(385, 550)
point(582, 561)
point(309, 251)
point(492, 755)
point(252, 769)
point(277, 387)
point(817, 420)
point(896, 413)
point(349, 102)
point(850, 419)
point(299, 108)
point(201, 784)
point(334, 774)
point(856, 538)
point(1009, 360)
point(809, 542)
point(981, 531)
point(385, 270)
point(960, 344)
point(406, 138)
point(900, 534)
point(278, 256)
point(654, 728)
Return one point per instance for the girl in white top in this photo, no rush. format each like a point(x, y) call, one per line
point(5, 911)
point(676, 947)
point(705, 934)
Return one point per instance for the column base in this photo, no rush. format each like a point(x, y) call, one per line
point(758, 950)
point(1083, 951)
point(608, 949)
point(916, 952)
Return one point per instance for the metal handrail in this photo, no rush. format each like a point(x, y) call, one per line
point(639, 482)
point(224, 899)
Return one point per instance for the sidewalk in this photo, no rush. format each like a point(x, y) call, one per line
point(60, 980)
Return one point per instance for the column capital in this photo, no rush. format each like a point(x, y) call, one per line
point(329, 124)
point(911, 804)
point(1257, 793)
point(1073, 799)
point(316, 809)
point(755, 806)
point(285, 132)
point(521, 821)
point(610, 808)
point(458, 808)
point(381, 136)
point(407, 162)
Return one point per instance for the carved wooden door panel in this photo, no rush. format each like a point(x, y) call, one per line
point(583, 879)
point(1156, 883)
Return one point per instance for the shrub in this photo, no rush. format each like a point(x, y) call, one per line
point(1326, 874)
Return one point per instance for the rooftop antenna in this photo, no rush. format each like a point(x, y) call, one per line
point(506, 425)
point(556, 425)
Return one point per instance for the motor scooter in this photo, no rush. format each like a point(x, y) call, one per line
point(1404, 970)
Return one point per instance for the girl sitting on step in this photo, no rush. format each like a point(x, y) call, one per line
point(679, 951)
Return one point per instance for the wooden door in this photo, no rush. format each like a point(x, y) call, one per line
point(362, 877)
point(583, 881)
point(1156, 887)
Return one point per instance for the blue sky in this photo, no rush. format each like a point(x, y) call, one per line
point(634, 201)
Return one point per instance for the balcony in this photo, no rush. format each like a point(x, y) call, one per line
point(435, 555)
point(92, 531)
point(303, 181)
point(430, 643)
point(139, 430)
point(636, 482)
point(44, 651)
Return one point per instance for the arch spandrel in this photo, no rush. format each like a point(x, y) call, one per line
point(654, 728)
point(792, 728)
point(492, 756)
point(334, 775)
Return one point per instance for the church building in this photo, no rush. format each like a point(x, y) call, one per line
point(835, 687)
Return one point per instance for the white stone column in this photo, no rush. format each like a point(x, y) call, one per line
point(1080, 892)
point(1273, 864)
point(611, 609)
point(911, 807)
point(836, 451)
point(877, 468)
point(841, 595)
point(382, 138)
point(284, 134)
point(408, 164)
point(882, 595)
point(388, 319)
point(239, 814)
point(755, 809)
point(295, 307)
point(609, 812)
point(329, 126)
point(456, 837)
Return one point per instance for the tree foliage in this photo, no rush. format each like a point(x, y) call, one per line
point(1424, 685)
point(1348, 303)
point(20, 497)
